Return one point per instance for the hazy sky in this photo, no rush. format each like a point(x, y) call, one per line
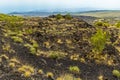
point(57, 5)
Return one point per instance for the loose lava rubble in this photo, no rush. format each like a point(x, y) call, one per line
point(47, 48)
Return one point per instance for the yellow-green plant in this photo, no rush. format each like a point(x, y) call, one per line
point(26, 70)
point(117, 24)
point(35, 44)
point(98, 40)
point(57, 54)
point(17, 39)
point(50, 74)
point(74, 69)
point(68, 16)
point(68, 77)
point(6, 47)
point(101, 24)
point(59, 16)
point(12, 22)
point(40, 71)
point(116, 73)
point(32, 48)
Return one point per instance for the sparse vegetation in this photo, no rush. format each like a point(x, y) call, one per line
point(100, 77)
point(6, 47)
point(35, 44)
point(68, 77)
point(14, 60)
point(11, 64)
point(32, 48)
point(56, 54)
point(50, 74)
point(13, 22)
point(40, 71)
point(26, 70)
point(117, 24)
point(74, 57)
point(59, 41)
point(4, 56)
point(101, 24)
point(66, 46)
point(17, 39)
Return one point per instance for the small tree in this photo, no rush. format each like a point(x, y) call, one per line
point(99, 40)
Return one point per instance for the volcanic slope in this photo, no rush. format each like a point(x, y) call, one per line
point(52, 49)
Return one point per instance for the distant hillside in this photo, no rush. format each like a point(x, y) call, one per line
point(31, 13)
point(88, 19)
point(88, 16)
point(94, 13)
point(42, 14)
point(101, 13)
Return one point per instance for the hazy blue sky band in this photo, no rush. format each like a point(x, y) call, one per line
point(57, 5)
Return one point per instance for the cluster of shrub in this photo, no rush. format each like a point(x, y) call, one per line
point(106, 24)
point(60, 16)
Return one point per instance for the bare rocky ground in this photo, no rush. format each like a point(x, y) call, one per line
point(68, 38)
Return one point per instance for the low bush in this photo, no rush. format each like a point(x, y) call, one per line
point(6, 47)
point(50, 74)
point(40, 71)
point(26, 70)
point(101, 24)
point(17, 39)
point(68, 77)
point(56, 54)
point(117, 24)
point(58, 16)
point(32, 49)
point(74, 57)
point(68, 16)
point(74, 69)
point(35, 44)
point(116, 73)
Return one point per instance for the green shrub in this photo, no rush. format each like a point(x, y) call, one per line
point(68, 16)
point(27, 45)
point(56, 54)
point(59, 16)
point(68, 77)
point(99, 40)
point(32, 49)
point(74, 69)
point(101, 24)
point(106, 24)
point(35, 44)
point(29, 31)
point(116, 73)
point(13, 33)
point(117, 24)
point(17, 39)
